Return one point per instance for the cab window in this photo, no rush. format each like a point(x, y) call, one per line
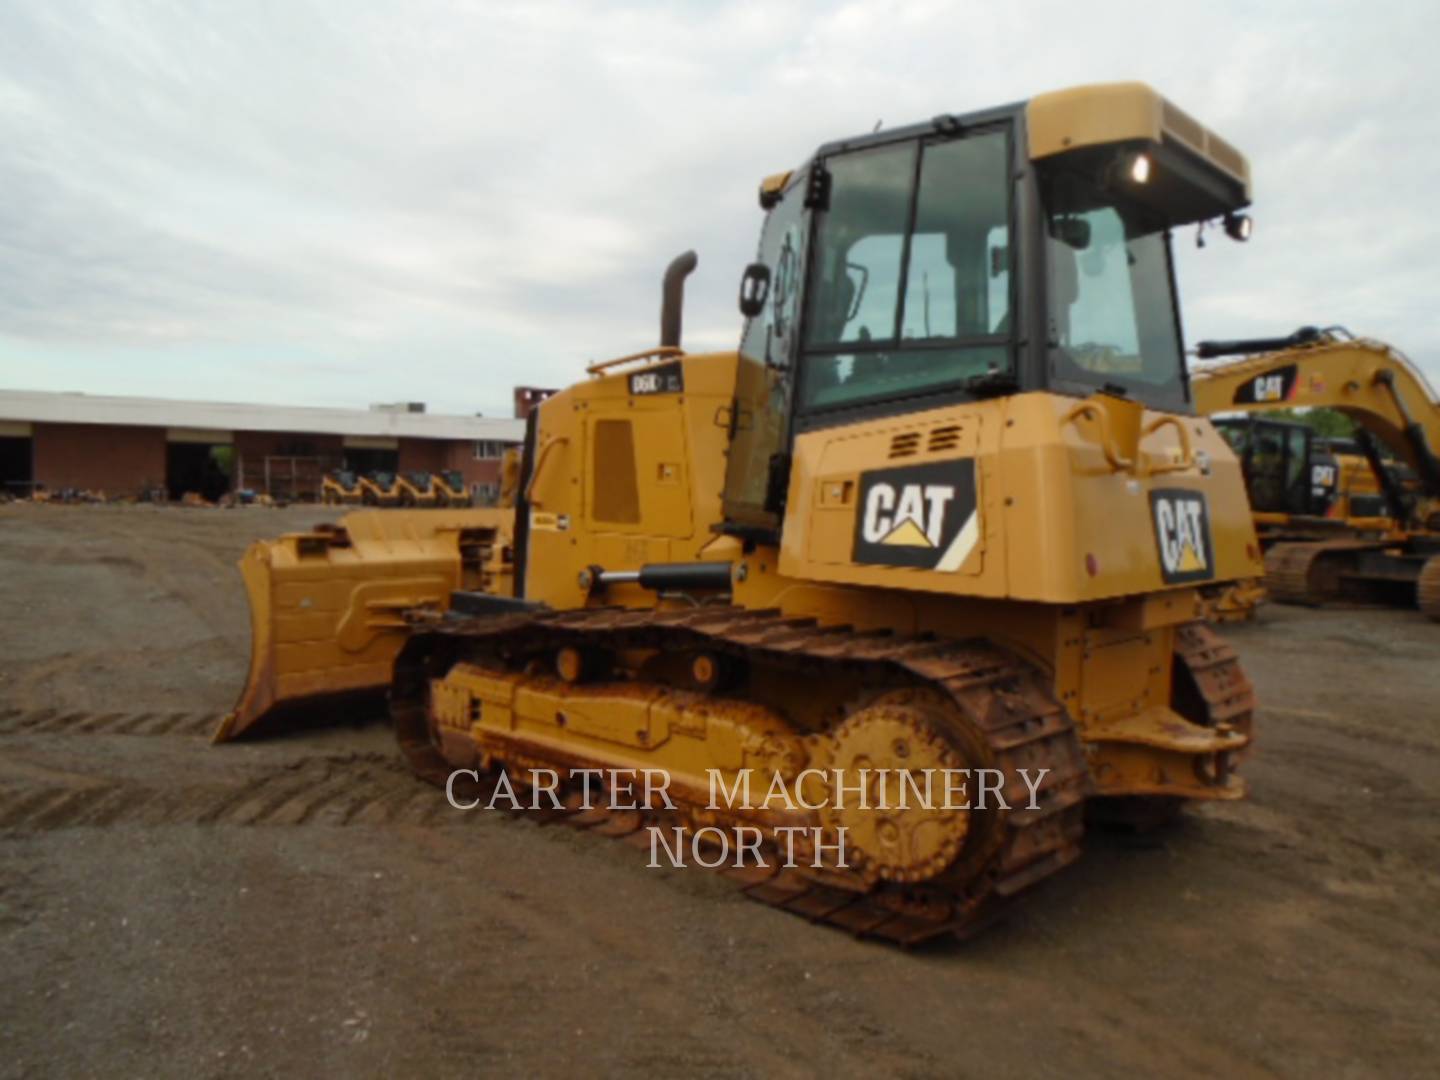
point(911, 274)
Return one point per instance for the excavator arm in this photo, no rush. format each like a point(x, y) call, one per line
point(1372, 383)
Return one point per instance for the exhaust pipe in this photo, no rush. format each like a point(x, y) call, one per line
point(672, 297)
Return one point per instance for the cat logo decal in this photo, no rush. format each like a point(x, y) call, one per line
point(1182, 534)
point(923, 516)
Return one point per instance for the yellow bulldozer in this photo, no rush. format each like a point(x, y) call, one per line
point(1335, 526)
point(945, 511)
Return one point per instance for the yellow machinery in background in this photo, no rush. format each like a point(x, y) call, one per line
point(379, 489)
point(340, 488)
point(1326, 536)
point(417, 489)
point(449, 487)
point(947, 507)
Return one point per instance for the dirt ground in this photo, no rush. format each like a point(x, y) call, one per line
point(302, 906)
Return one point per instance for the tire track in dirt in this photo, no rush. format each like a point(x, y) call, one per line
point(56, 722)
point(368, 789)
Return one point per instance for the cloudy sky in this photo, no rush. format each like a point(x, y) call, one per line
point(349, 201)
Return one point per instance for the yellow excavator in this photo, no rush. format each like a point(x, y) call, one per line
point(946, 508)
point(1380, 549)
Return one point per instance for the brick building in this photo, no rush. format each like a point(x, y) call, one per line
point(125, 446)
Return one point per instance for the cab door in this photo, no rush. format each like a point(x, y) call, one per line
point(755, 471)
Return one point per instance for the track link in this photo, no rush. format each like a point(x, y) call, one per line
point(1004, 701)
point(1309, 573)
point(1223, 693)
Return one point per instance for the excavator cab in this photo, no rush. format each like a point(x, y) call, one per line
point(1289, 470)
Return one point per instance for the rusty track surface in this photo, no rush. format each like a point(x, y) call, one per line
point(1308, 573)
point(1226, 693)
point(1005, 702)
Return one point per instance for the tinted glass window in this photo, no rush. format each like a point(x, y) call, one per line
point(770, 336)
point(1112, 311)
point(865, 340)
point(761, 409)
point(860, 246)
point(958, 279)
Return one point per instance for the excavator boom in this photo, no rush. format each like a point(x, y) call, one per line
point(1374, 384)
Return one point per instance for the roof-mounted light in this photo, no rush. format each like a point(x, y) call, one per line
point(1140, 168)
point(1239, 226)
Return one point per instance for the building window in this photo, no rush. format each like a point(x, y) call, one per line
point(490, 449)
point(485, 494)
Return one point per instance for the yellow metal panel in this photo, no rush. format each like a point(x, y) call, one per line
point(1107, 113)
point(1060, 521)
point(325, 606)
point(680, 441)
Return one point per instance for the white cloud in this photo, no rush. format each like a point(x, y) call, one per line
point(343, 202)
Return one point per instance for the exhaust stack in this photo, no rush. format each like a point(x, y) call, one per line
point(672, 297)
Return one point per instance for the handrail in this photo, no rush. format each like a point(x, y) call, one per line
point(1187, 456)
point(1107, 443)
point(659, 351)
point(540, 460)
point(1140, 467)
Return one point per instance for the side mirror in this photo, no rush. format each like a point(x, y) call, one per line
point(754, 289)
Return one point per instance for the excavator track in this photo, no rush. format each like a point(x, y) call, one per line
point(1308, 574)
point(1427, 588)
point(1003, 703)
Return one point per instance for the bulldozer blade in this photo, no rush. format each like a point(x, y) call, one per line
point(328, 608)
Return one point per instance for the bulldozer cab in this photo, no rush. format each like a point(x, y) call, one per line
point(965, 258)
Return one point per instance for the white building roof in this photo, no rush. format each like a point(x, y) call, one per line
point(46, 407)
